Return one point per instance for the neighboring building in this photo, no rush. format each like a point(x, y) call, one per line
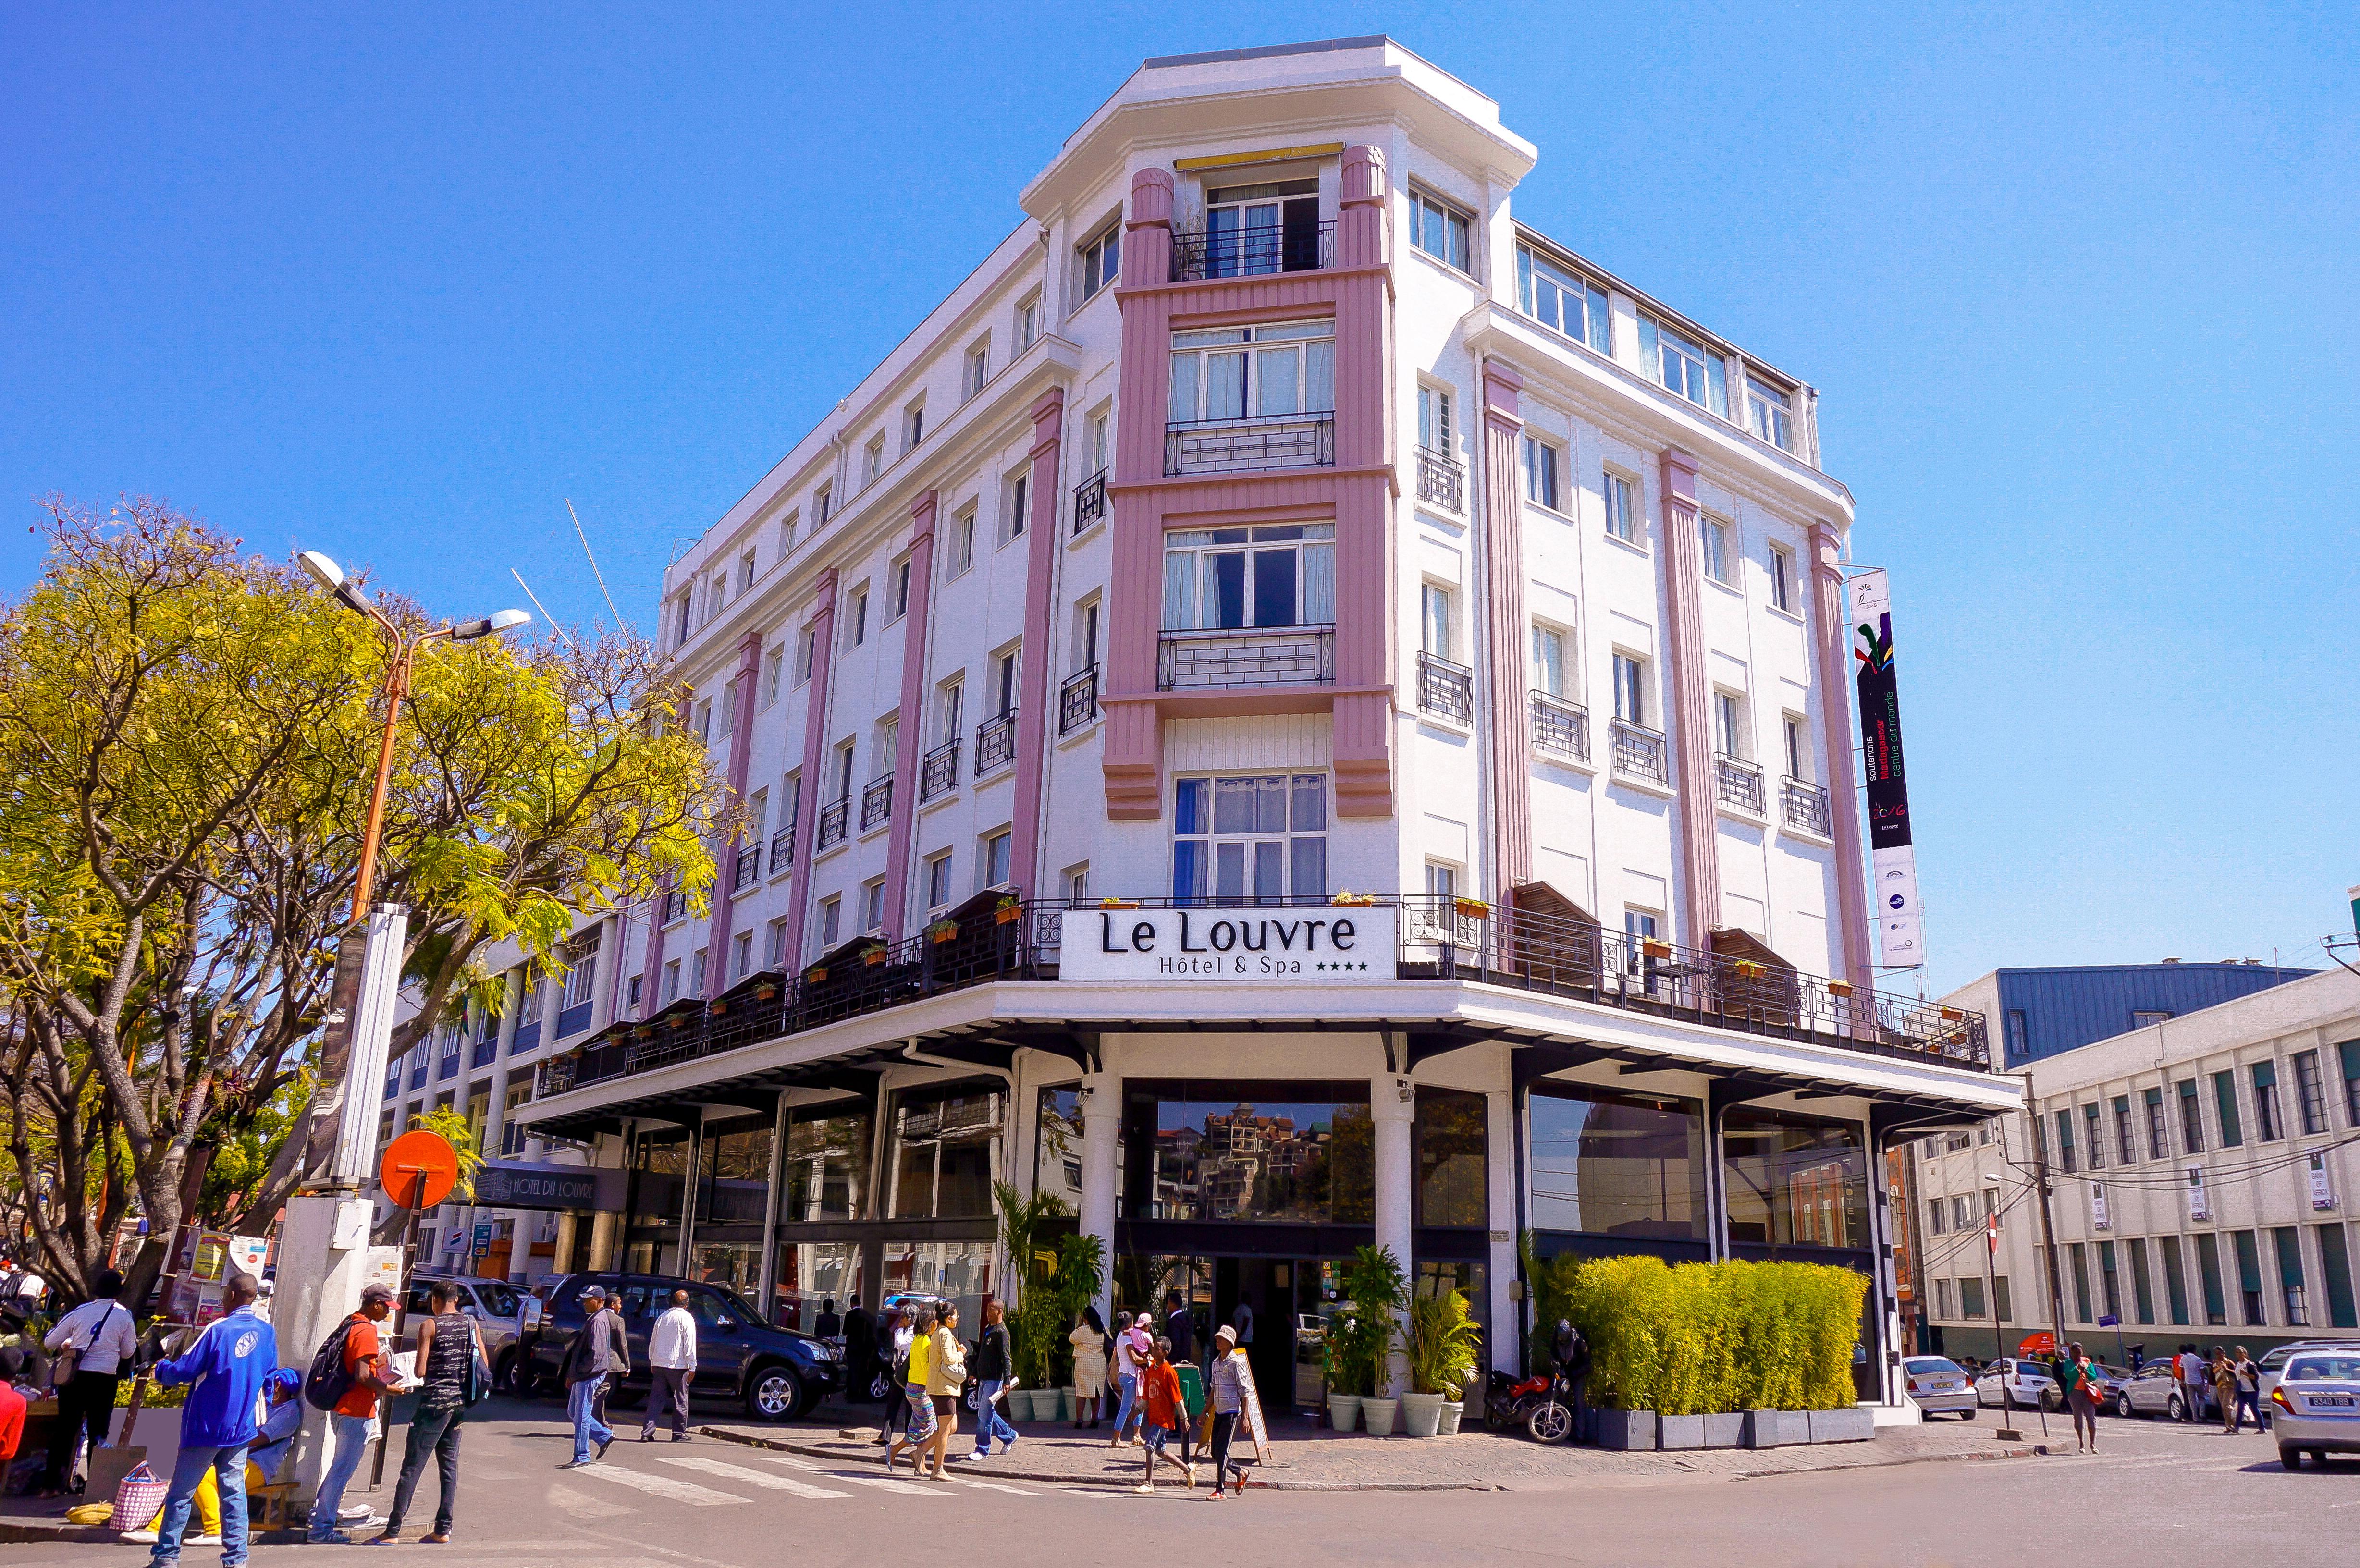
point(2203, 1168)
point(1275, 530)
point(2040, 1012)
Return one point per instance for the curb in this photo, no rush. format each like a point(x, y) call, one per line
point(37, 1531)
point(2024, 1451)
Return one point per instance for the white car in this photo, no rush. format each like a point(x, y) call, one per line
point(1938, 1383)
point(2273, 1365)
point(2027, 1383)
point(2316, 1405)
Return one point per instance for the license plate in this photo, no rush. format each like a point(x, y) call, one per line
point(1948, 1386)
point(2343, 1399)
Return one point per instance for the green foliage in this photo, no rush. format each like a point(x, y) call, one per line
point(460, 1134)
point(1035, 1321)
point(1700, 1337)
point(1361, 1335)
point(243, 1157)
point(1442, 1344)
point(1549, 1283)
point(1081, 1267)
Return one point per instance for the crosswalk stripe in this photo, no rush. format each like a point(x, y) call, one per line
point(907, 1489)
point(789, 1460)
point(998, 1486)
point(661, 1485)
point(739, 1472)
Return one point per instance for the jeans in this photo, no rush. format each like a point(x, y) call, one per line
point(1130, 1402)
point(582, 1405)
point(228, 1468)
point(988, 1422)
point(2246, 1403)
point(436, 1432)
point(352, 1441)
point(667, 1394)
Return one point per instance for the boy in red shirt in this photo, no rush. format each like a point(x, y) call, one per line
point(12, 1404)
point(1167, 1412)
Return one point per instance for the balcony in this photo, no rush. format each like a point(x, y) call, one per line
point(938, 771)
point(1736, 783)
point(750, 868)
point(832, 818)
point(1252, 253)
point(486, 1052)
point(675, 907)
point(782, 849)
point(528, 1038)
point(1440, 482)
point(1250, 443)
point(995, 743)
point(1446, 688)
point(1804, 805)
point(574, 1019)
point(1246, 655)
point(393, 1081)
point(1078, 700)
point(876, 803)
point(1638, 752)
point(1089, 501)
point(1560, 728)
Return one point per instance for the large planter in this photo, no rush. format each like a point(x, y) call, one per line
point(1761, 1428)
point(1377, 1416)
point(1343, 1411)
point(1679, 1432)
point(1453, 1410)
point(1626, 1429)
point(1854, 1423)
point(1040, 1404)
point(1422, 1414)
point(1724, 1430)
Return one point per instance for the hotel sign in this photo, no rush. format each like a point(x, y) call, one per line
point(1316, 942)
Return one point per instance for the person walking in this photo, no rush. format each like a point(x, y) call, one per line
point(995, 1370)
point(1226, 1387)
point(1242, 1320)
point(945, 1377)
point(860, 1351)
point(914, 1333)
point(1164, 1412)
point(1130, 1348)
point(2248, 1391)
point(2078, 1376)
point(1088, 1340)
point(368, 1374)
point(448, 1349)
point(671, 1363)
point(103, 1340)
point(1179, 1327)
point(230, 1368)
point(2189, 1367)
point(599, 1352)
point(900, 1336)
point(2223, 1373)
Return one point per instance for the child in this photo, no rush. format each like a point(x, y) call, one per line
point(1166, 1411)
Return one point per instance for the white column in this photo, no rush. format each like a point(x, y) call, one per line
point(1505, 1348)
point(1101, 1124)
point(778, 1174)
point(1390, 1107)
point(603, 1223)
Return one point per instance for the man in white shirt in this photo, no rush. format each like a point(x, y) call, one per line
point(2192, 1381)
point(671, 1362)
point(105, 1341)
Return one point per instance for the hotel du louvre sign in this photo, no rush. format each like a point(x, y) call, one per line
point(1319, 943)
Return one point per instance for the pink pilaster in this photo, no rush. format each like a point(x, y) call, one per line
point(1691, 716)
point(651, 964)
point(1363, 490)
point(1507, 740)
point(1132, 760)
point(1032, 672)
point(1832, 675)
point(823, 629)
point(909, 741)
point(724, 882)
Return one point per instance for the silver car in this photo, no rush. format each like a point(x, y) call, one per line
point(2026, 1383)
point(497, 1305)
point(2273, 1364)
point(2316, 1406)
point(2153, 1390)
point(1938, 1383)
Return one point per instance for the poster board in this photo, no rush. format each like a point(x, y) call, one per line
point(1254, 1422)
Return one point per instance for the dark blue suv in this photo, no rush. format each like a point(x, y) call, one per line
point(776, 1373)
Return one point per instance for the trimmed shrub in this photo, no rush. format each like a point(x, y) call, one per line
point(1702, 1337)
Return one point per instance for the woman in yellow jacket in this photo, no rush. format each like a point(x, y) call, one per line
point(945, 1377)
point(918, 1430)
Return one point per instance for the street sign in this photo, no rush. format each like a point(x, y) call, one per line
point(419, 1169)
point(2110, 1321)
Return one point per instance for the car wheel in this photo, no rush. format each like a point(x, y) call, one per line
point(2319, 1457)
point(2290, 1458)
point(1969, 1415)
point(774, 1394)
point(1551, 1423)
point(2048, 1404)
point(2175, 1409)
point(515, 1375)
point(2123, 1405)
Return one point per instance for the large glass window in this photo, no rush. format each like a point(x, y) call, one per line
point(1290, 1152)
point(1057, 1145)
point(661, 1161)
point(1607, 1164)
point(1252, 838)
point(1452, 1178)
point(812, 1276)
point(827, 1163)
point(1236, 373)
point(1276, 575)
point(734, 1185)
point(1794, 1180)
point(947, 1141)
point(1770, 413)
point(1440, 230)
point(1564, 300)
point(1255, 229)
point(1683, 366)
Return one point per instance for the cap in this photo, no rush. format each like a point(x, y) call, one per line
point(588, 1292)
point(380, 1292)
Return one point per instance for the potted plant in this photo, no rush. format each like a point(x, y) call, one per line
point(1008, 912)
point(1032, 1324)
point(815, 976)
point(943, 930)
point(1378, 1289)
point(1751, 969)
point(875, 955)
point(1473, 909)
point(766, 993)
point(1655, 947)
point(1340, 1362)
point(1118, 903)
point(1441, 1344)
point(1839, 987)
point(1353, 900)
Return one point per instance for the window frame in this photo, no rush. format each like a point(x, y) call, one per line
point(1781, 578)
point(1198, 808)
point(1425, 206)
point(1597, 306)
point(1697, 359)
point(1620, 492)
point(1103, 246)
point(1775, 425)
point(1544, 468)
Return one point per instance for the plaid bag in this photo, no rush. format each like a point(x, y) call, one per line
point(139, 1497)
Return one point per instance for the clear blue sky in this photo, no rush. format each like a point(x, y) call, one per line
point(2079, 289)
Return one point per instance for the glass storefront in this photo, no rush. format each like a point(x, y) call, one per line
point(737, 1265)
point(828, 1161)
point(1794, 1180)
point(945, 1150)
point(1619, 1165)
point(812, 1274)
point(1057, 1145)
point(734, 1173)
point(957, 1270)
point(658, 1183)
point(1298, 1153)
point(1453, 1185)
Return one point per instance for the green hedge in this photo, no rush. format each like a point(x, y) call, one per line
point(1702, 1337)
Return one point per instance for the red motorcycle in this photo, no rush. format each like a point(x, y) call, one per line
point(1540, 1405)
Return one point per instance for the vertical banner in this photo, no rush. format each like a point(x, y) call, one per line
point(1893, 862)
point(2099, 1219)
point(2322, 1197)
point(2200, 1201)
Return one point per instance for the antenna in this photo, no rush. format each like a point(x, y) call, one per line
point(594, 565)
point(539, 605)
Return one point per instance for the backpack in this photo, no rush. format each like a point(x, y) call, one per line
point(329, 1380)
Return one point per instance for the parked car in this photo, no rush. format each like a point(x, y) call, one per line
point(2317, 1401)
point(776, 1373)
point(495, 1303)
point(2026, 1383)
point(2153, 1390)
point(2273, 1366)
point(1938, 1383)
point(2106, 1380)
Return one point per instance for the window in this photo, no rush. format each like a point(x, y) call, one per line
point(2175, 1277)
point(1254, 229)
point(1433, 620)
point(831, 921)
point(1078, 882)
point(822, 505)
point(945, 1147)
point(2094, 1136)
point(1794, 1180)
point(773, 667)
point(873, 905)
point(1615, 1164)
point(872, 458)
point(728, 711)
point(705, 722)
point(632, 989)
point(1299, 1152)
point(1629, 690)
point(913, 424)
point(1237, 373)
point(856, 619)
point(745, 572)
point(1434, 419)
point(2336, 1276)
point(2191, 1119)
point(2123, 1144)
point(948, 702)
point(1728, 724)
point(2208, 1270)
point(1027, 323)
point(1236, 839)
point(961, 553)
point(1712, 542)
point(1962, 1211)
point(2349, 1052)
point(684, 625)
point(2065, 1142)
point(672, 981)
point(805, 648)
point(2140, 1020)
point(2286, 1242)
point(1680, 363)
point(1796, 748)
point(843, 771)
point(2266, 1126)
point(774, 944)
point(787, 533)
point(2310, 1092)
point(1085, 634)
point(1450, 1141)
point(1770, 414)
point(1563, 300)
point(1102, 260)
point(1100, 440)
point(741, 958)
point(2078, 1256)
point(1004, 669)
point(1548, 660)
point(758, 811)
point(1620, 522)
point(1438, 230)
point(1275, 575)
point(2224, 1105)
point(997, 849)
point(1019, 491)
point(938, 881)
point(2157, 1147)
point(978, 368)
point(696, 972)
point(1540, 473)
point(1441, 880)
point(2142, 1285)
point(2249, 1278)
point(1937, 1221)
point(900, 604)
point(1942, 1308)
point(1781, 578)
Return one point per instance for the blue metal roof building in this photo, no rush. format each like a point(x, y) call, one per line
point(2040, 1012)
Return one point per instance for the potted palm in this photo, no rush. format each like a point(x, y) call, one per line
point(1442, 1340)
point(1340, 1362)
point(1033, 1320)
point(1081, 1265)
point(1378, 1291)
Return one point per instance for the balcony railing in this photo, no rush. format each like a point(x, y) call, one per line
point(1804, 805)
point(939, 771)
point(1444, 688)
point(1246, 655)
point(1250, 443)
point(1089, 501)
point(1252, 253)
point(1440, 482)
point(995, 743)
point(1638, 751)
point(832, 818)
point(1737, 783)
point(876, 803)
point(528, 1038)
point(675, 907)
point(750, 868)
point(782, 849)
point(1559, 727)
point(1078, 700)
point(486, 1052)
point(448, 1068)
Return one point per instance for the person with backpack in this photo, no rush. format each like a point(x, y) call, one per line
point(347, 1375)
point(451, 1367)
point(95, 1345)
point(231, 1368)
point(598, 1354)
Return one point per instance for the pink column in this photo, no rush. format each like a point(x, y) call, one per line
point(652, 965)
point(1507, 739)
point(823, 629)
point(910, 743)
point(1835, 750)
point(1362, 746)
point(1691, 717)
point(724, 882)
point(1132, 734)
point(1032, 672)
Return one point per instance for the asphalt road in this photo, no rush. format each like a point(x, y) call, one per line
point(2155, 1494)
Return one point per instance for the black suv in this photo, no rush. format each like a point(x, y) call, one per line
point(777, 1373)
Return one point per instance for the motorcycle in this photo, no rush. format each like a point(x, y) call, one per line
point(1541, 1405)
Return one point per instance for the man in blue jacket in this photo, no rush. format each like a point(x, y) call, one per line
point(232, 1368)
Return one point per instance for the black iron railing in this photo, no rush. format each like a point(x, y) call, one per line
point(1446, 688)
point(1440, 482)
point(1737, 782)
point(876, 803)
point(782, 849)
point(1246, 655)
point(750, 867)
point(831, 818)
point(1559, 727)
point(1252, 253)
point(1089, 501)
point(1249, 442)
point(1804, 805)
point(1078, 700)
point(939, 771)
point(995, 743)
point(1638, 751)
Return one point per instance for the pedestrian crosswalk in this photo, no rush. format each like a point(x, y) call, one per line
point(765, 1480)
point(705, 1480)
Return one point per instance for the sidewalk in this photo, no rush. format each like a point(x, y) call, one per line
point(1309, 1458)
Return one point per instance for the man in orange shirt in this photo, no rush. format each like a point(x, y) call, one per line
point(1166, 1408)
point(369, 1374)
point(12, 1404)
